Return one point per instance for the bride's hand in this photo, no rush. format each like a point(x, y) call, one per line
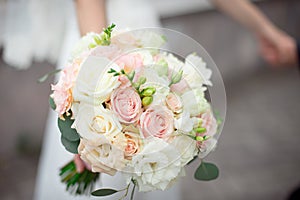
point(80, 164)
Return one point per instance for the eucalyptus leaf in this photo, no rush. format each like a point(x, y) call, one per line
point(66, 130)
point(104, 192)
point(206, 172)
point(52, 103)
point(46, 76)
point(69, 145)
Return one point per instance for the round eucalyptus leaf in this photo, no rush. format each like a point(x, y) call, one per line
point(66, 130)
point(206, 172)
point(104, 192)
point(70, 145)
point(52, 103)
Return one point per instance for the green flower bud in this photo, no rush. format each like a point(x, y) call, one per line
point(200, 130)
point(206, 137)
point(176, 77)
point(199, 138)
point(147, 92)
point(131, 75)
point(97, 40)
point(142, 80)
point(146, 101)
point(162, 68)
point(91, 46)
point(136, 85)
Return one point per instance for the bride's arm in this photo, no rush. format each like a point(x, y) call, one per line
point(91, 15)
point(276, 46)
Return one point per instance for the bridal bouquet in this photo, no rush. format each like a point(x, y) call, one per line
point(137, 111)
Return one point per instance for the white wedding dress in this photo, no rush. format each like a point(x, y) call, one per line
point(124, 13)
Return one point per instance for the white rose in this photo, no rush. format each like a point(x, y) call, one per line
point(93, 82)
point(194, 101)
point(187, 148)
point(195, 71)
point(83, 44)
point(184, 122)
point(101, 155)
point(156, 167)
point(92, 122)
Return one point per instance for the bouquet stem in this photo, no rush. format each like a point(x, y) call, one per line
point(78, 183)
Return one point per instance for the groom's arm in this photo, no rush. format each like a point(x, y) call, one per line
point(91, 15)
point(277, 47)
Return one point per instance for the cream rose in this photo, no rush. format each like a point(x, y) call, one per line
point(101, 155)
point(174, 102)
point(157, 121)
point(92, 122)
point(126, 104)
point(133, 144)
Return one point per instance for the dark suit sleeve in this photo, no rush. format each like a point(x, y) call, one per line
point(298, 52)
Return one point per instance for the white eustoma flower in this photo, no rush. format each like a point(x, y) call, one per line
point(195, 71)
point(156, 167)
point(83, 44)
point(194, 101)
point(187, 148)
point(173, 62)
point(92, 122)
point(149, 38)
point(184, 122)
point(93, 84)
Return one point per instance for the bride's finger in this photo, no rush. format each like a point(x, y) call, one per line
point(79, 163)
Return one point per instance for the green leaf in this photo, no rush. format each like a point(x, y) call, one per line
point(46, 76)
point(52, 103)
point(69, 145)
point(104, 192)
point(206, 172)
point(66, 130)
point(130, 76)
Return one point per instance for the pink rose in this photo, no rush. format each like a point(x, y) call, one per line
point(126, 104)
point(173, 101)
point(157, 121)
point(130, 62)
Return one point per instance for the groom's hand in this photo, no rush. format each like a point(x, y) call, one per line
point(278, 48)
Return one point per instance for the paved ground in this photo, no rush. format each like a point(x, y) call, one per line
point(259, 149)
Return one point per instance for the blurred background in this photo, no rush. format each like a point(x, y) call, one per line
point(258, 152)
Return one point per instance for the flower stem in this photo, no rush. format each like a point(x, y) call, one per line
point(132, 192)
